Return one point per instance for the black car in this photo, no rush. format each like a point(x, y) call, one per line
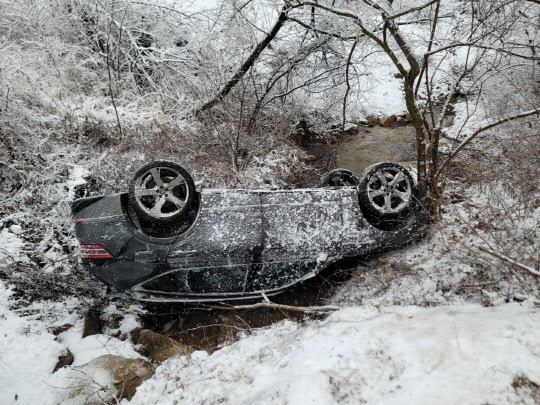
point(164, 240)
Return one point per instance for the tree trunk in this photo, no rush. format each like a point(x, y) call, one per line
point(420, 135)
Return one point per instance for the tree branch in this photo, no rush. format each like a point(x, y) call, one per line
point(358, 31)
point(485, 128)
point(430, 45)
point(358, 21)
point(278, 306)
point(247, 63)
point(509, 260)
point(319, 31)
point(473, 44)
point(410, 10)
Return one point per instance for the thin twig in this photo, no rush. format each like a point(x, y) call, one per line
point(110, 76)
point(511, 261)
point(485, 128)
point(272, 305)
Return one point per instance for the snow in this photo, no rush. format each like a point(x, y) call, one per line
point(91, 347)
point(28, 353)
point(128, 323)
point(11, 245)
point(76, 178)
point(462, 354)
point(322, 257)
point(399, 355)
point(29, 350)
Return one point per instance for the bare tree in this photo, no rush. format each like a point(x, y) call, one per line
point(484, 38)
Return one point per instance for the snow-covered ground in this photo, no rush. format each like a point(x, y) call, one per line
point(376, 355)
point(463, 354)
point(29, 349)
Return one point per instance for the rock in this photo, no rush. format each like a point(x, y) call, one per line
point(351, 129)
point(92, 322)
point(61, 329)
point(333, 139)
point(16, 229)
point(114, 321)
point(125, 375)
point(364, 123)
point(64, 360)
point(388, 122)
point(159, 347)
point(302, 134)
point(134, 334)
point(372, 120)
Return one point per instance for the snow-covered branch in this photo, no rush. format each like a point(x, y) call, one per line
point(292, 308)
point(465, 142)
point(511, 261)
point(282, 18)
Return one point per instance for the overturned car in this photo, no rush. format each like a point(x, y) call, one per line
point(163, 240)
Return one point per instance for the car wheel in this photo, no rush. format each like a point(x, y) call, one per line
point(339, 178)
point(161, 191)
point(387, 194)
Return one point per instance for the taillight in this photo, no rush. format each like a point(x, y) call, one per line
point(94, 252)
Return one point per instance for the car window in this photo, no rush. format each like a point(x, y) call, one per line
point(170, 282)
point(280, 274)
point(223, 279)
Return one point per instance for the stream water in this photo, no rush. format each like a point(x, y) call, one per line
point(376, 144)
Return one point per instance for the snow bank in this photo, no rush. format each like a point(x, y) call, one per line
point(461, 355)
point(29, 351)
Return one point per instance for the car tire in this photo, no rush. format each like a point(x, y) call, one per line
point(339, 178)
point(388, 195)
point(161, 191)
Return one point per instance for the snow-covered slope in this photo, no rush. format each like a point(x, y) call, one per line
point(29, 351)
point(378, 355)
point(375, 355)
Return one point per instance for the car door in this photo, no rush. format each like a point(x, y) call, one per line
point(214, 256)
point(300, 229)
